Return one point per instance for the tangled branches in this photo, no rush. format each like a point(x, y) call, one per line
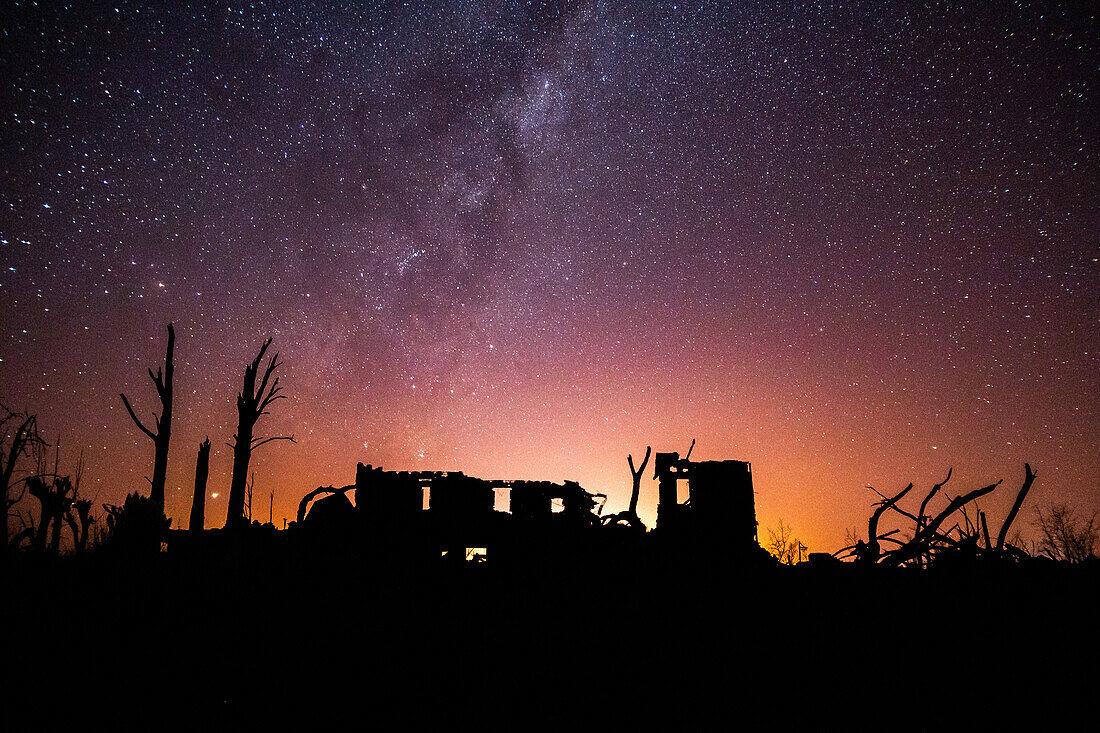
point(929, 541)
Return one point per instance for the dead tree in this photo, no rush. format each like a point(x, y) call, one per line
point(44, 486)
point(923, 539)
point(928, 540)
point(784, 546)
point(55, 499)
point(868, 553)
point(60, 505)
point(636, 478)
point(1029, 479)
point(252, 402)
point(84, 516)
point(40, 490)
point(1065, 537)
point(18, 436)
point(74, 527)
point(22, 438)
point(922, 518)
point(162, 423)
point(198, 502)
point(70, 491)
point(630, 516)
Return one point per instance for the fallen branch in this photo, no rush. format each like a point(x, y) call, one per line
point(915, 545)
point(304, 503)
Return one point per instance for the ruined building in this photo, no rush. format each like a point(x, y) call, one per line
point(718, 500)
point(449, 515)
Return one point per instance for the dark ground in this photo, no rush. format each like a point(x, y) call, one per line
point(238, 641)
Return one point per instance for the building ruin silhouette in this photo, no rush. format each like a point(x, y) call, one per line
point(449, 516)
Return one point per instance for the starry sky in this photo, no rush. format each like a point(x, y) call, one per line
point(852, 243)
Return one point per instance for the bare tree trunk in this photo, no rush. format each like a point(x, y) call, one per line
point(84, 514)
point(636, 476)
point(74, 527)
point(59, 507)
point(198, 502)
point(40, 490)
point(55, 534)
point(871, 551)
point(252, 402)
point(630, 516)
point(922, 519)
point(1029, 478)
point(162, 380)
point(23, 440)
point(242, 455)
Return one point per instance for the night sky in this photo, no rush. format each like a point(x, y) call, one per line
point(853, 244)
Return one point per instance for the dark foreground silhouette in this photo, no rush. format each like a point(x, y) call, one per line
point(421, 607)
point(253, 631)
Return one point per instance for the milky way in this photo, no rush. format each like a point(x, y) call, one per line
point(852, 245)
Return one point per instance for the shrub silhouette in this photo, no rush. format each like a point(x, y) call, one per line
point(1064, 536)
point(137, 527)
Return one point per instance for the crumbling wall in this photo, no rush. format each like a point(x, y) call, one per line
point(387, 494)
point(720, 497)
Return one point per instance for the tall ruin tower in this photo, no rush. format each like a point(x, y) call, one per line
point(719, 499)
